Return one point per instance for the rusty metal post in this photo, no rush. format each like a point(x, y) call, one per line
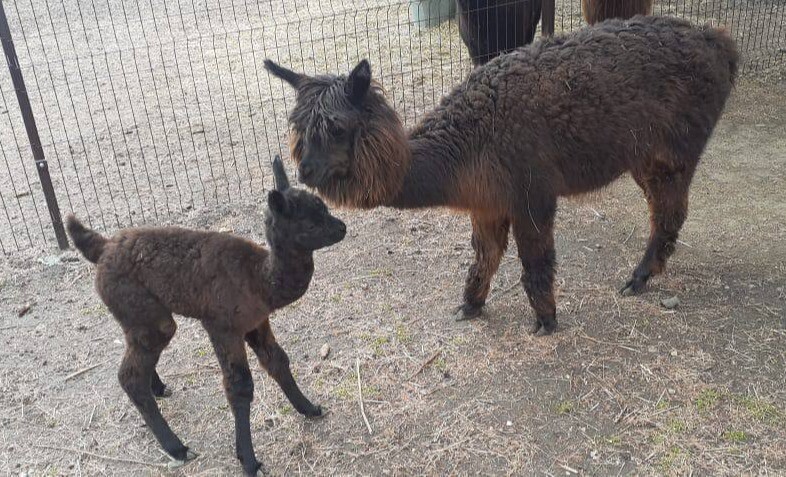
point(32, 130)
point(548, 17)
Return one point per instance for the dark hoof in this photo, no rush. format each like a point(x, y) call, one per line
point(547, 326)
point(467, 312)
point(181, 458)
point(256, 468)
point(633, 287)
point(313, 411)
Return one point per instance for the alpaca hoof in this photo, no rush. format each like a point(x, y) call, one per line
point(255, 469)
point(547, 326)
point(632, 287)
point(176, 463)
point(259, 471)
point(313, 411)
point(533, 330)
point(467, 312)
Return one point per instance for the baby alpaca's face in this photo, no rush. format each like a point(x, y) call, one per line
point(302, 218)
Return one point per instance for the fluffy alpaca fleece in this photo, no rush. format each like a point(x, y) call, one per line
point(231, 285)
point(564, 116)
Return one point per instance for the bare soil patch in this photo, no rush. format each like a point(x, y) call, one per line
point(625, 387)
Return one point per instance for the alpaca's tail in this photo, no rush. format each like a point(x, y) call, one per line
point(727, 49)
point(89, 242)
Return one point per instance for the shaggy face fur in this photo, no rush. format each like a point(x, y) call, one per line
point(337, 122)
point(564, 116)
point(595, 11)
point(230, 284)
point(492, 27)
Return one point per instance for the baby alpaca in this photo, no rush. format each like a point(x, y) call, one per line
point(231, 285)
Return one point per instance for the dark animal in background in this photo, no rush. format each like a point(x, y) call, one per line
point(492, 27)
point(564, 116)
point(231, 285)
point(595, 11)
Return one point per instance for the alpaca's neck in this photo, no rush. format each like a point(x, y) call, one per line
point(287, 274)
point(432, 176)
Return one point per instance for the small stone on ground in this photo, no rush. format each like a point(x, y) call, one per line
point(670, 303)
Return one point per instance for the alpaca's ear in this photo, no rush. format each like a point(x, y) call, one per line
point(359, 82)
point(280, 175)
point(294, 79)
point(277, 203)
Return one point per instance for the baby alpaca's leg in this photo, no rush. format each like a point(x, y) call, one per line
point(146, 338)
point(276, 363)
point(239, 388)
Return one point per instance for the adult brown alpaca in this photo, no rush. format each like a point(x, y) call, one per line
point(231, 285)
point(595, 11)
point(565, 116)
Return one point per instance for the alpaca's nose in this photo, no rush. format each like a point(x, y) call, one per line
point(342, 230)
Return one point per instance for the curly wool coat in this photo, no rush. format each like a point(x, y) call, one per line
point(564, 116)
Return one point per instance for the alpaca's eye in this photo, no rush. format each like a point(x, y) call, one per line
point(336, 130)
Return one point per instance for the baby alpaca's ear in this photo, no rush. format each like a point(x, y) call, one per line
point(277, 203)
point(280, 174)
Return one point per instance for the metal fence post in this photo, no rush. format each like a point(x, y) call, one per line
point(32, 130)
point(548, 17)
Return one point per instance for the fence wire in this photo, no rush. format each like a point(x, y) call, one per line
point(150, 108)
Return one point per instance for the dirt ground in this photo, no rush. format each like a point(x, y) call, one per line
point(625, 387)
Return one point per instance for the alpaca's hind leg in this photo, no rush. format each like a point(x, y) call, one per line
point(239, 388)
point(533, 230)
point(489, 240)
point(667, 196)
point(276, 363)
point(145, 341)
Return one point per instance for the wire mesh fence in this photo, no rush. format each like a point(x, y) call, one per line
point(146, 109)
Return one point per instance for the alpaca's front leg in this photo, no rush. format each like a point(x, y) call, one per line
point(489, 240)
point(276, 362)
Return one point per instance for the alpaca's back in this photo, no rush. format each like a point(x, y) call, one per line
point(580, 110)
point(184, 269)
